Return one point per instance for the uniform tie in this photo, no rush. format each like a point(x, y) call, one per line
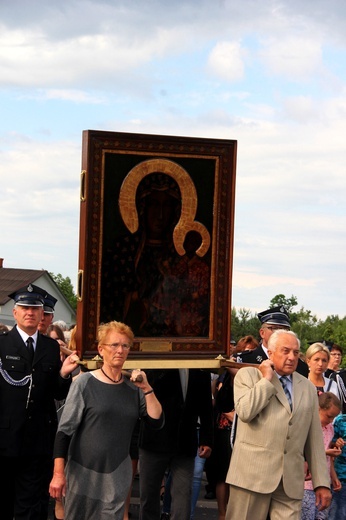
point(184, 380)
point(30, 346)
point(283, 381)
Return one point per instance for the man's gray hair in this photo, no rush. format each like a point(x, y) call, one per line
point(61, 324)
point(272, 342)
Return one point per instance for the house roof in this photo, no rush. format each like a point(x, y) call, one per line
point(13, 279)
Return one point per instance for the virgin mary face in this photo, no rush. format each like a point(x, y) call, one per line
point(159, 214)
point(159, 205)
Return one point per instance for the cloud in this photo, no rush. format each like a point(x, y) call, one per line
point(295, 59)
point(268, 74)
point(302, 109)
point(77, 96)
point(226, 61)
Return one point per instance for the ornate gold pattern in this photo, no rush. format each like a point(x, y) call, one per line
point(128, 209)
point(95, 147)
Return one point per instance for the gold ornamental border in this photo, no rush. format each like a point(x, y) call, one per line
point(187, 222)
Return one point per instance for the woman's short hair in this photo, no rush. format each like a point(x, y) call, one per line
point(58, 330)
point(248, 342)
point(315, 348)
point(114, 326)
point(334, 346)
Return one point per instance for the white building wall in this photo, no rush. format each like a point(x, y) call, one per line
point(63, 311)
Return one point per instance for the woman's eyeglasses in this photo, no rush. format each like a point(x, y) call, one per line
point(116, 346)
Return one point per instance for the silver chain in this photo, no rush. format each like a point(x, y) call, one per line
point(15, 382)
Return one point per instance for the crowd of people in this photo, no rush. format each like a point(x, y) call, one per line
point(33, 378)
point(269, 435)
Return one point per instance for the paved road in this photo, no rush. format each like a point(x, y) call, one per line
point(205, 510)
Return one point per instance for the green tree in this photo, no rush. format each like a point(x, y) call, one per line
point(303, 322)
point(66, 287)
point(280, 299)
point(244, 322)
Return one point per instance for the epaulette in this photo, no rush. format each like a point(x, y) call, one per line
point(245, 353)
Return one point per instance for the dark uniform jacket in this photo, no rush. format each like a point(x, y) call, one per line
point(339, 377)
point(28, 419)
point(258, 355)
point(179, 433)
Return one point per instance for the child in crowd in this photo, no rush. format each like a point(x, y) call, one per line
point(338, 507)
point(329, 408)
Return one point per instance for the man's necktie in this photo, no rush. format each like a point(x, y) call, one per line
point(30, 345)
point(283, 381)
point(184, 379)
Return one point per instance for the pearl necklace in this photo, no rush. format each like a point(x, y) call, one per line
point(113, 380)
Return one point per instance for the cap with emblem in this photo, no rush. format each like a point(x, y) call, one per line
point(31, 295)
point(329, 344)
point(275, 316)
point(49, 303)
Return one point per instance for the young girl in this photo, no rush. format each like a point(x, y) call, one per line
point(329, 408)
point(338, 507)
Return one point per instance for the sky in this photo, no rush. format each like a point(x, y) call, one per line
point(269, 74)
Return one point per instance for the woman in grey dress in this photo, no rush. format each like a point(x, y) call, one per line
point(92, 465)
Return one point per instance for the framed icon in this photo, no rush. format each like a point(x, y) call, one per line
point(156, 242)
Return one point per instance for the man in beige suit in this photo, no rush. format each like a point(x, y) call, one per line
point(266, 472)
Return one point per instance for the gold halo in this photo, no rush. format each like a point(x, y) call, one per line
point(128, 209)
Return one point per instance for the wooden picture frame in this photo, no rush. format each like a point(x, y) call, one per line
point(156, 242)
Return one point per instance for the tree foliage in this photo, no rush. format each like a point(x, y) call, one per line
point(66, 287)
point(305, 324)
point(280, 299)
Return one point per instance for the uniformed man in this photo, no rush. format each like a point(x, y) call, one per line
point(45, 322)
point(31, 377)
point(271, 320)
point(48, 313)
point(335, 372)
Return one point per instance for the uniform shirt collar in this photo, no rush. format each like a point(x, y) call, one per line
point(25, 336)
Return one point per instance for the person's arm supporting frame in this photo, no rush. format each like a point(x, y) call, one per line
point(154, 408)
